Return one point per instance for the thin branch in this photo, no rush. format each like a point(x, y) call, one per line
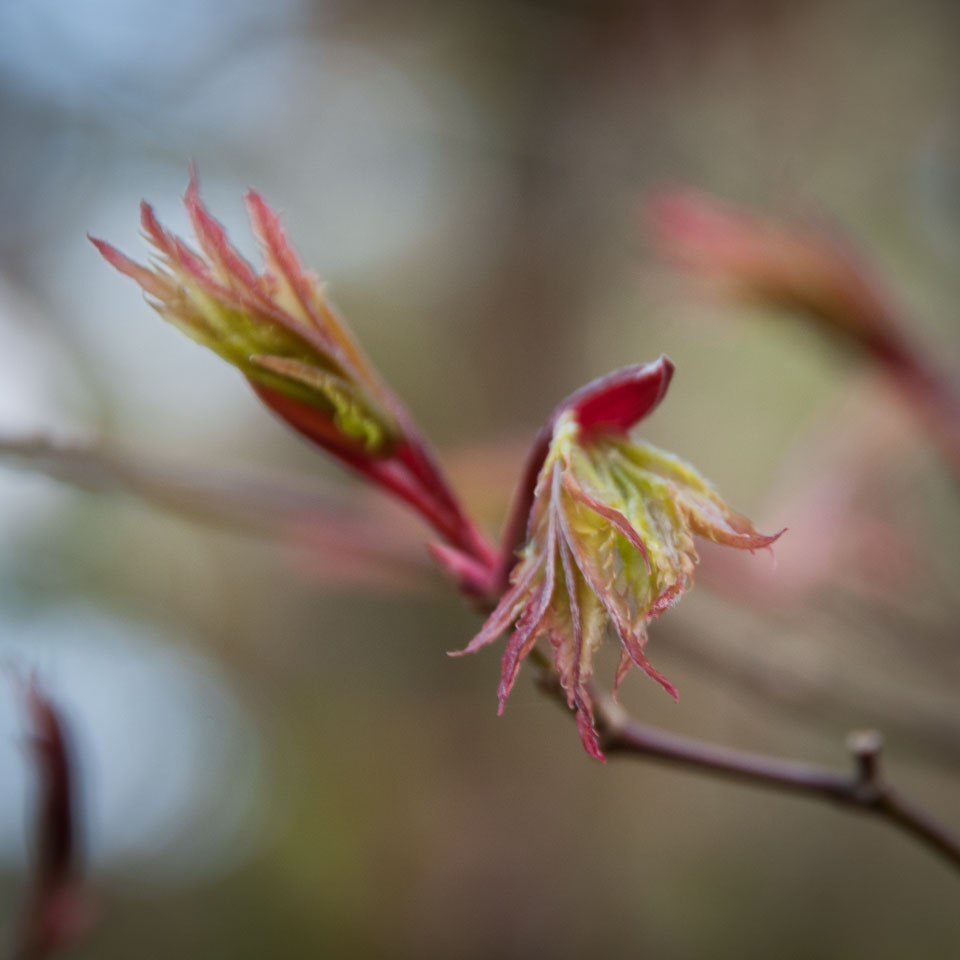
point(865, 789)
point(930, 733)
point(346, 540)
point(232, 497)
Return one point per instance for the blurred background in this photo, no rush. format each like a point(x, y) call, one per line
point(277, 757)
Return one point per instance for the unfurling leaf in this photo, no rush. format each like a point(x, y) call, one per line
point(609, 542)
point(276, 327)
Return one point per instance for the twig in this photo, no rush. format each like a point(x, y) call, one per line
point(931, 734)
point(227, 496)
point(343, 540)
point(58, 909)
point(865, 790)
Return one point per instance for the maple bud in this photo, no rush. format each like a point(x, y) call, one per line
point(609, 541)
point(280, 330)
point(276, 327)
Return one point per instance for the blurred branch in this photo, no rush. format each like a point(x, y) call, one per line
point(865, 790)
point(358, 540)
point(209, 495)
point(814, 272)
point(58, 909)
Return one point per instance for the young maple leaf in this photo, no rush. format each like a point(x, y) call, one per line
point(609, 540)
point(276, 327)
point(279, 329)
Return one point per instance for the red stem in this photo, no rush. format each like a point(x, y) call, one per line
point(409, 472)
point(516, 525)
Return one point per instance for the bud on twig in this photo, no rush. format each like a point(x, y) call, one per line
point(279, 329)
point(609, 540)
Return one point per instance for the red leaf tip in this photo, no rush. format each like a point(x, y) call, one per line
point(616, 402)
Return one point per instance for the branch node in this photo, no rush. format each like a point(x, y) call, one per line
point(866, 747)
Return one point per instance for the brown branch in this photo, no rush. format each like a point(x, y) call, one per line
point(930, 734)
point(865, 789)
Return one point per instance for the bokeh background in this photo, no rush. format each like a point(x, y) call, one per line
point(277, 757)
